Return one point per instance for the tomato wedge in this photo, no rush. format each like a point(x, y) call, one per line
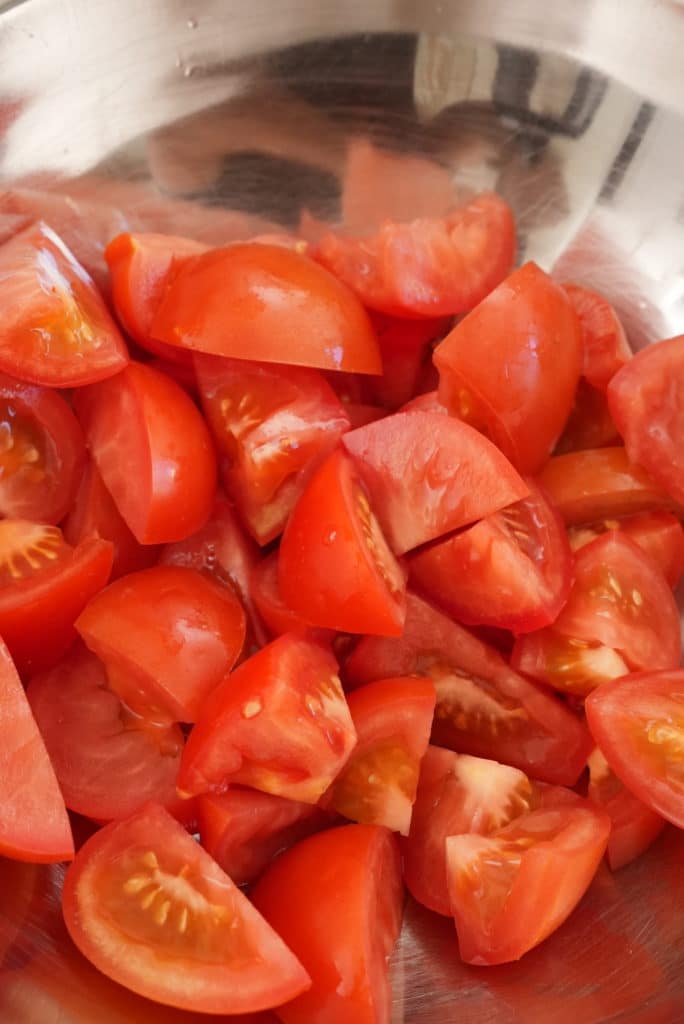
point(589, 424)
point(604, 343)
point(568, 664)
point(512, 570)
point(167, 636)
point(483, 707)
point(271, 302)
point(153, 450)
point(659, 534)
point(19, 884)
point(335, 569)
point(109, 761)
point(431, 266)
point(56, 329)
point(393, 719)
point(404, 347)
point(279, 723)
point(513, 364)
point(427, 474)
point(34, 825)
point(150, 909)
point(268, 599)
point(336, 899)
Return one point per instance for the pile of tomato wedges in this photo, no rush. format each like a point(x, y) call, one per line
point(329, 571)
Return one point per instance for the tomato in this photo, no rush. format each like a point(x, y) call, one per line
point(509, 890)
point(279, 723)
point(589, 424)
point(336, 899)
point(141, 267)
point(427, 474)
point(19, 884)
point(512, 570)
point(44, 586)
point(34, 825)
point(604, 344)
point(393, 719)
point(638, 725)
point(268, 599)
point(244, 829)
point(599, 484)
point(334, 568)
point(634, 825)
point(167, 636)
point(182, 371)
point(513, 364)
point(149, 908)
point(659, 534)
point(56, 328)
point(269, 423)
point(646, 400)
point(428, 401)
point(431, 266)
point(570, 665)
point(108, 761)
point(483, 707)
point(271, 302)
point(404, 345)
point(153, 450)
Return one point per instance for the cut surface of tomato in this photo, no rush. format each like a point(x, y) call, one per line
point(604, 345)
point(336, 899)
point(34, 825)
point(659, 534)
point(151, 909)
point(271, 302)
point(431, 266)
point(167, 636)
point(427, 474)
point(279, 723)
point(511, 367)
point(56, 329)
point(568, 664)
point(404, 347)
point(265, 590)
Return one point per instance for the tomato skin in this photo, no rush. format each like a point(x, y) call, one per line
point(270, 301)
point(350, 876)
point(646, 400)
point(512, 570)
point(279, 723)
point(604, 344)
point(34, 825)
point(600, 483)
point(467, 478)
point(268, 599)
point(634, 825)
point(334, 568)
point(517, 360)
point(252, 970)
point(56, 329)
point(589, 424)
point(153, 451)
point(168, 636)
point(404, 345)
point(430, 267)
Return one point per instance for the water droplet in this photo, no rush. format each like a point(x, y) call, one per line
point(192, 22)
point(189, 70)
point(330, 537)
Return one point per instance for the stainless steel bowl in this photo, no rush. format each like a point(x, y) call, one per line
point(176, 112)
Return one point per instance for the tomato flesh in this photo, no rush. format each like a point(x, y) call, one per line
point(604, 344)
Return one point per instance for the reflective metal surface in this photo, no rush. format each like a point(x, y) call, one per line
point(221, 118)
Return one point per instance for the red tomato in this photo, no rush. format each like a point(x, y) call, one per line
point(599, 484)
point(44, 586)
point(19, 884)
point(244, 829)
point(431, 266)
point(638, 725)
point(279, 723)
point(268, 301)
point(149, 908)
point(153, 450)
point(646, 400)
point(336, 899)
point(56, 328)
point(604, 343)
point(268, 599)
point(509, 890)
point(404, 345)
point(589, 424)
point(511, 367)
point(167, 636)
point(94, 514)
point(634, 825)
point(141, 266)
point(182, 371)
point(393, 719)
point(109, 761)
point(659, 534)
point(483, 707)
point(335, 569)
point(426, 402)
point(34, 824)
point(42, 452)
point(427, 474)
point(512, 570)
point(570, 665)
point(269, 423)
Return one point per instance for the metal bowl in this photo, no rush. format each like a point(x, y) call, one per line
point(222, 117)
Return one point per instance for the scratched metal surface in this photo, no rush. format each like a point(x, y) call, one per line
point(218, 117)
